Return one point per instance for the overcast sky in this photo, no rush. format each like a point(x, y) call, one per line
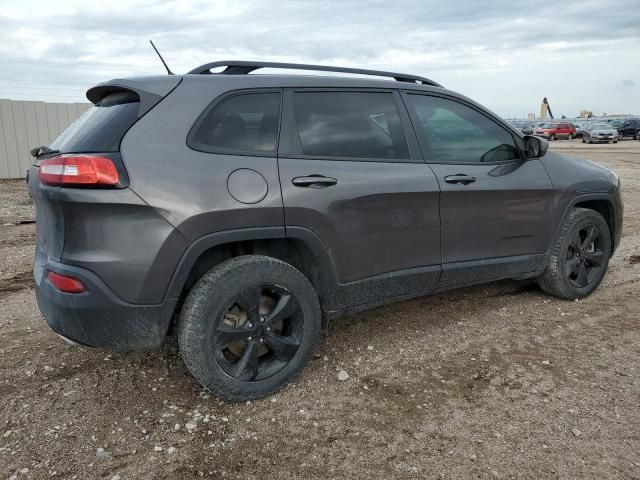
point(505, 54)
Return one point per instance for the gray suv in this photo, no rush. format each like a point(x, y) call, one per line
point(244, 212)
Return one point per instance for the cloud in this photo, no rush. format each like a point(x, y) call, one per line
point(491, 50)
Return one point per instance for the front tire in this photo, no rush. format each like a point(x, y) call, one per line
point(580, 256)
point(248, 327)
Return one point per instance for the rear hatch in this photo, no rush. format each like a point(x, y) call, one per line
point(86, 157)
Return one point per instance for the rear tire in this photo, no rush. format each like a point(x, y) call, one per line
point(580, 256)
point(248, 327)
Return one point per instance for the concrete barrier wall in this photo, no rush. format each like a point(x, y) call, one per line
point(24, 125)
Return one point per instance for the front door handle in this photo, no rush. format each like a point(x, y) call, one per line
point(314, 181)
point(460, 179)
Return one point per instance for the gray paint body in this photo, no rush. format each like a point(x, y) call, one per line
point(384, 231)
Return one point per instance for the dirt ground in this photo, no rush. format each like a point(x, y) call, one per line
point(495, 381)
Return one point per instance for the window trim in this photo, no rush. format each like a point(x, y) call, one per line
point(424, 143)
point(289, 143)
point(200, 147)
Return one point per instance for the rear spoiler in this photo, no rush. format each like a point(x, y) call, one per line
point(150, 90)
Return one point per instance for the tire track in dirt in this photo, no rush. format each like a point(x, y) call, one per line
point(17, 282)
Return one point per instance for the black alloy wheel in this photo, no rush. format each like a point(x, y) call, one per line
point(580, 255)
point(259, 333)
point(248, 326)
point(584, 260)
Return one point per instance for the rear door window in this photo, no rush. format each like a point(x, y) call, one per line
point(348, 125)
point(102, 127)
point(241, 124)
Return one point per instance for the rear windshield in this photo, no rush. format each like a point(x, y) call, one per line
point(101, 128)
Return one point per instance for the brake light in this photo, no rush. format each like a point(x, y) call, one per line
point(65, 283)
point(78, 170)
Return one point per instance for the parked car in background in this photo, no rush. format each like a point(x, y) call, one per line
point(600, 132)
point(553, 131)
point(629, 128)
point(524, 126)
point(580, 128)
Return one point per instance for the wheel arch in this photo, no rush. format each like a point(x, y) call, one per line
point(603, 203)
point(297, 246)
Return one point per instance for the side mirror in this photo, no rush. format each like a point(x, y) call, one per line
point(535, 147)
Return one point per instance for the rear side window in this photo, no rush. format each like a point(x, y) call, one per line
point(101, 128)
point(455, 133)
point(242, 124)
point(349, 125)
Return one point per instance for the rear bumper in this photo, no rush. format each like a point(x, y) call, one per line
point(97, 317)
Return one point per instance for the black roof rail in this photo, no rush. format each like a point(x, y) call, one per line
point(240, 67)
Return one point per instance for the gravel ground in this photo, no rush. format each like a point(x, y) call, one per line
point(495, 381)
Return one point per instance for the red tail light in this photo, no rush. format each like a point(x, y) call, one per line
point(65, 283)
point(78, 170)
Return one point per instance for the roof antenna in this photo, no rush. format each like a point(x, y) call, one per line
point(162, 59)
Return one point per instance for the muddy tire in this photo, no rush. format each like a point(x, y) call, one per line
point(579, 257)
point(248, 327)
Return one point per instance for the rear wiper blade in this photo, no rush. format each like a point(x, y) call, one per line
point(42, 150)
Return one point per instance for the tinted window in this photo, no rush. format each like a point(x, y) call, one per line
point(245, 123)
point(349, 125)
point(101, 128)
point(457, 133)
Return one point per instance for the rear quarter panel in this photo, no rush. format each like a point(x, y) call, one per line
point(188, 187)
point(111, 233)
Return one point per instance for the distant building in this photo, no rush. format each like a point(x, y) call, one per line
point(585, 114)
point(531, 116)
point(545, 111)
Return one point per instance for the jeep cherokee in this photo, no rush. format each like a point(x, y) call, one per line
point(245, 210)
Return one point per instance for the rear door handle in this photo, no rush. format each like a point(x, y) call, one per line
point(460, 179)
point(314, 181)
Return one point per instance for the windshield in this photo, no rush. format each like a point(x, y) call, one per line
point(601, 126)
